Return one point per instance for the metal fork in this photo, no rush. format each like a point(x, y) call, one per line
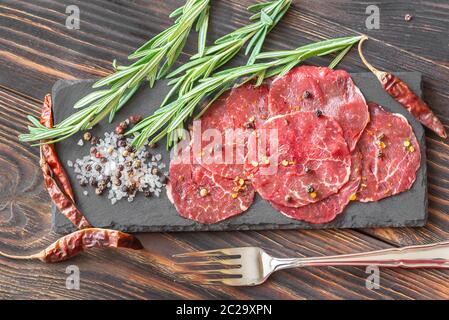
point(249, 266)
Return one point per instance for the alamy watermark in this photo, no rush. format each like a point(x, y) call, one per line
point(373, 280)
point(73, 280)
point(373, 20)
point(72, 21)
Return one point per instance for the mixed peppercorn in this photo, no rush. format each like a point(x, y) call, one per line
point(115, 167)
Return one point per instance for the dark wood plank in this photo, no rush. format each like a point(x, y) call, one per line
point(112, 274)
point(36, 49)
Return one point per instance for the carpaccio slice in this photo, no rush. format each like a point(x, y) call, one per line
point(310, 162)
point(327, 209)
point(202, 196)
point(391, 155)
point(235, 115)
point(333, 92)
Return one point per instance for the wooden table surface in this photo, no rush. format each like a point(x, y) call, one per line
point(36, 49)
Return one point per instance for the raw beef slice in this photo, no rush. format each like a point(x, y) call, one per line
point(310, 162)
point(205, 197)
point(327, 209)
point(333, 92)
point(391, 155)
point(235, 115)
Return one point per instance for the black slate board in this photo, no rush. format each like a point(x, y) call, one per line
point(158, 214)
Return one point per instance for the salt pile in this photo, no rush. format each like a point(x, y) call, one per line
point(115, 167)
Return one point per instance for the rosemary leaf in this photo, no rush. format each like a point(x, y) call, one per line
point(227, 47)
point(339, 57)
point(178, 111)
point(155, 58)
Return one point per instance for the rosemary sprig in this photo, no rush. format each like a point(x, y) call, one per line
point(339, 57)
point(173, 115)
point(225, 48)
point(153, 60)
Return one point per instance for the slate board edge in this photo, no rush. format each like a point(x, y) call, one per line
point(67, 227)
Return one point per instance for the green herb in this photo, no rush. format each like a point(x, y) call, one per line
point(153, 60)
point(225, 48)
point(173, 115)
point(339, 57)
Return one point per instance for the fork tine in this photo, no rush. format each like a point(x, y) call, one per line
point(230, 262)
point(211, 253)
point(216, 272)
point(208, 281)
point(208, 253)
point(228, 282)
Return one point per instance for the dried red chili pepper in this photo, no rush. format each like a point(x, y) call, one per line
point(79, 241)
point(49, 150)
point(397, 89)
point(64, 204)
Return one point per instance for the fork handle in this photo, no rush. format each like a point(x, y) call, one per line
point(422, 256)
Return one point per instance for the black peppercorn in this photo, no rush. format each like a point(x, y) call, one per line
point(94, 141)
point(103, 160)
point(93, 150)
point(130, 149)
point(307, 169)
point(147, 194)
point(93, 182)
point(379, 153)
point(88, 167)
point(131, 188)
point(310, 189)
point(147, 155)
point(249, 125)
point(288, 198)
point(120, 167)
point(121, 143)
point(118, 174)
point(306, 94)
point(163, 179)
point(318, 113)
point(98, 168)
point(83, 183)
point(155, 171)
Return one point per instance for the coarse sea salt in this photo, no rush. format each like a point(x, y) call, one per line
point(120, 176)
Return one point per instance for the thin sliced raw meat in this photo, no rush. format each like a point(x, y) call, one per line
point(391, 155)
point(248, 104)
point(308, 161)
point(333, 92)
point(202, 196)
point(232, 118)
point(327, 209)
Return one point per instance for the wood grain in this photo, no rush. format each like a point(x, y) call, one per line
point(36, 49)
